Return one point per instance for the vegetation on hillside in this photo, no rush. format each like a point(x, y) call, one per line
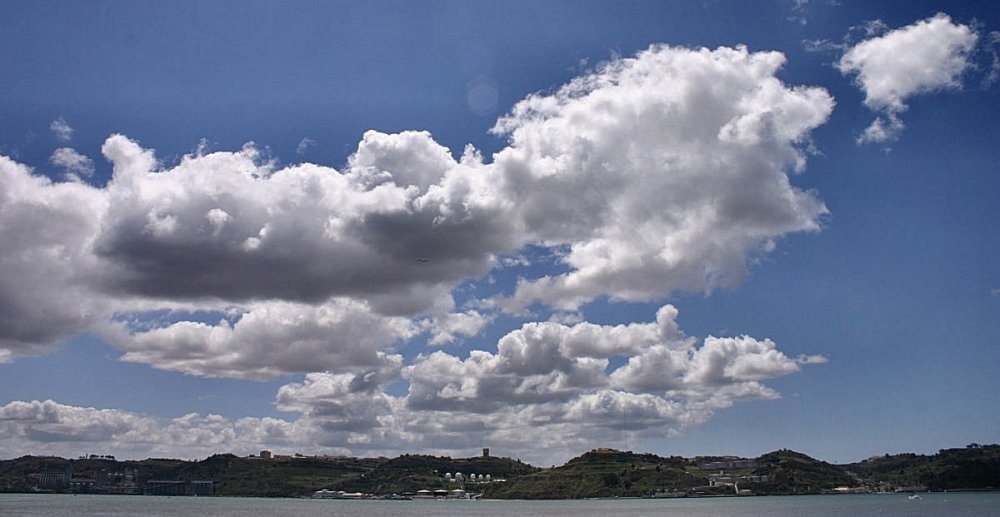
point(409, 473)
point(599, 473)
point(791, 472)
point(625, 474)
point(602, 474)
point(279, 477)
point(974, 467)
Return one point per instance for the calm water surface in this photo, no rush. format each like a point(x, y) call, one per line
point(836, 505)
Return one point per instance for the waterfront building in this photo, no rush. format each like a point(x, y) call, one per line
point(173, 487)
point(52, 480)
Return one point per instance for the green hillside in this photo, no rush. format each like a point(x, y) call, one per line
point(974, 467)
point(790, 472)
point(601, 474)
point(279, 477)
point(598, 473)
point(409, 473)
point(609, 473)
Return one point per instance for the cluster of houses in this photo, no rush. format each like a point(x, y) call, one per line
point(722, 479)
point(115, 479)
point(459, 492)
point(103, 481)
point(123, 482)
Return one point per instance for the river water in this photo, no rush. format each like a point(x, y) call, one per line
point(819, 506)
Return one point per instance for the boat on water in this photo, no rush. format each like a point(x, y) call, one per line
point(914, 497)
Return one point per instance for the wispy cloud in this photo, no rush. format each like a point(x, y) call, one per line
point(73, 163)
point(799, 12)
point(62, 129)
point(304, 145)
point(993, 43)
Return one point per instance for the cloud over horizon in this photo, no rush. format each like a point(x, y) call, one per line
point(553, 378)
point(667, 171)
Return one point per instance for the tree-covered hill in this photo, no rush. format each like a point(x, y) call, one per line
point(278, 477)
point(231, 475)
point(791, 472)
point(974, 467)
point(409, 473)
point(609, 473)
point(604, 473)
point(598, 473)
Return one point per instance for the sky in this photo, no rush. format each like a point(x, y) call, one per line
point(685, 228)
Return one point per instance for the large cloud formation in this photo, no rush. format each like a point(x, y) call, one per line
point(670, 170)
point(557, 380)
point(47, 230)
point(660, 172)
point(928, 55)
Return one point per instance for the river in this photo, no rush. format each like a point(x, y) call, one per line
point(957, 503)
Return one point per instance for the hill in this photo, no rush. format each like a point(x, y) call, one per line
point(297, 476)
point(791, 472)
point(602, 473)
point(231, 475)
point(976, 467)
point(409, 473)
point(598, 473)
point(611, 473)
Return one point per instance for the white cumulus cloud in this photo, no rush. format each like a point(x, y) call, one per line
point(555, 379)
point(47, 229)
point(272, 339)
point(670, 170)
point(449, 327)
point(661, 172)
point(929, 55)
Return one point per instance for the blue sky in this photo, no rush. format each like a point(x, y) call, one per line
point(685, 228)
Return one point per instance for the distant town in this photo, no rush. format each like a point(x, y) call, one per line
point(601, 472)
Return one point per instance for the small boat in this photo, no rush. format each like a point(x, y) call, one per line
point(913, 497)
